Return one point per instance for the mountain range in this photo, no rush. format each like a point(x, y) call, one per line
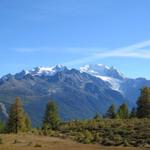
point(79, 93)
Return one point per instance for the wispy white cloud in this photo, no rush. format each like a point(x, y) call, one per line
point(31, 50)
point(124, 53)
point(74, 50)
point(137, 50)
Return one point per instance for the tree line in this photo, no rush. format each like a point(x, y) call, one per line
point(141, 111)
point(19, 121)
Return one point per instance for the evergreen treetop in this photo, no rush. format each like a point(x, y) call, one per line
point(143, 103)
point(123, 112)
point(51, 118)
point(111, 112)
point(17, 121)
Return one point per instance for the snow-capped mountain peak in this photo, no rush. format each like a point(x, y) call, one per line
point(105, 73)
point(108, 74)
point(102, 70)
point(37, 71)
point(46, 70)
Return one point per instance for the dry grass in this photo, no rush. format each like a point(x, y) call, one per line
point(33, 142)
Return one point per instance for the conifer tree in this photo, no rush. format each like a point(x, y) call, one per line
point(123, 112)
point(143, 103)
point(97, 116)
point(133, 113)
point(111, 112)
point(17, 121)
point(27, 122)
point(51, 118)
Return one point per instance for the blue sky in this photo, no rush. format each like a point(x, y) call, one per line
point(75, 33)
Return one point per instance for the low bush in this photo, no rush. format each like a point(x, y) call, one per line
point(110, 132)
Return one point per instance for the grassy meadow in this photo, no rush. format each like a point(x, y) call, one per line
point(37, 142)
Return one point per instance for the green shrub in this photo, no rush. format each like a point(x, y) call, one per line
point(117, 139)
point(108, 142)
point(79, 137)
point(98, 138)
point(126, 143)
point(127, 132)
point(88, 137)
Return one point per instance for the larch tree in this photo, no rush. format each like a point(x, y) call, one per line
point(143, 103)
point(18, 120)
point(97, 116)
point(123, 112)
point(111, 112)
point(133, 113)
point(51, 118)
